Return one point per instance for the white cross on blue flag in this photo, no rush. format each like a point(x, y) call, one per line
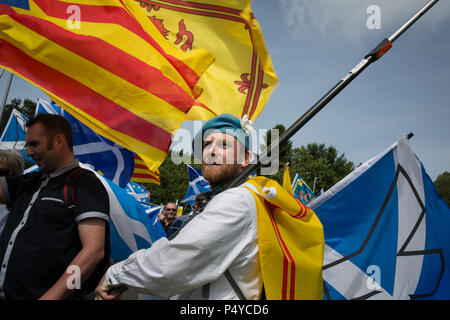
point(386, 231)
point(197, 185)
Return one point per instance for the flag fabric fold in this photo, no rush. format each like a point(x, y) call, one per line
point(287, 185)
point(291, 243)
point(106, 64)
point(386, 231)
point(242, 77)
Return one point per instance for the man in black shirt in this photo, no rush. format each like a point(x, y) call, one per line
point(55, 244)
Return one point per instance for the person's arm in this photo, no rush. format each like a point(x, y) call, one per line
point(200, 253)
point(92, 237)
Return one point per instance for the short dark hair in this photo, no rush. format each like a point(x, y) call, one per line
point(54, 124)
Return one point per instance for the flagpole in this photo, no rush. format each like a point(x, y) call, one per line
point(371, 57)
point(5, 95)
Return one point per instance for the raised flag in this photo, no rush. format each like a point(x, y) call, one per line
point(242, 77)
point(113, 161)
point(302, 191)
point(197, 185)
point(106, 64)
point(386, 231)
point(13, 136)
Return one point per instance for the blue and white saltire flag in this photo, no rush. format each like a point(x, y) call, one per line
point(301, 190)
point(131, 229)
point(139, 192)
point(113, 161)
point(386, 231)
point(13, 136)
point(197, 185)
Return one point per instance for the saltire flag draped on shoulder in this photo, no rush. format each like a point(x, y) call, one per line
point(386, 231)
point(197, 185)
point(13, 136)
point(113, 161)
point(105, 63)
point(302, 191)
point(242, 77)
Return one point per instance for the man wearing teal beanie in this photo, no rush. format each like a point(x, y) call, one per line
point(216, 255)
point(225, 145)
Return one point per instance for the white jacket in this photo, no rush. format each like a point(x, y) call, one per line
point(223, 236)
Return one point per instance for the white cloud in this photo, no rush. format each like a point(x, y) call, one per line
point(346, 20)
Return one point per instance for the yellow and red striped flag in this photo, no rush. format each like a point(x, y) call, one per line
point(142, 174)
point(108, 65)
point(242, 77)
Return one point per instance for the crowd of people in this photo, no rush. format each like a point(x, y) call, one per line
point(54, 241)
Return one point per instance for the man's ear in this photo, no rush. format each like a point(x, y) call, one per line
point(60, 141)
point(247, 159)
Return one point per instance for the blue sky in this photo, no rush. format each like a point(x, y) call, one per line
point(313, 44)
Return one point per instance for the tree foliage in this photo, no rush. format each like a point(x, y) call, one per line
point(311, 161)
point(27, 107)
point(442, 184)
point(321, 162)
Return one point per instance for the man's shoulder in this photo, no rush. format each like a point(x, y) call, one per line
point(234, 196)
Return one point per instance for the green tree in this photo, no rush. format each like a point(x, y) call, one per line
point(442, 184)
point(321, 162)
point(27, 108)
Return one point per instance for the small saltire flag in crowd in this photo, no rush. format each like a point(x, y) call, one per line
point(197, 185)
point(140, 193)
point(113, 161)
point(302, 191)
point(386, 231)
point(107, 64)
point(227, 29)
point(13, 136)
